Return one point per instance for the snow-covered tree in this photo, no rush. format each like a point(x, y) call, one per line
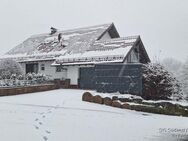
point(9, 67)
point(159, 84)
point(184, 78)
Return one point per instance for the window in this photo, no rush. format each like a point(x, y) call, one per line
point(60, 69)
point(42, 67)
point(33, 67)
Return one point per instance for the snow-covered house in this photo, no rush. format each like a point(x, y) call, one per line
point(61, 54)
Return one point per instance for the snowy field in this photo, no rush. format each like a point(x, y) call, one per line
point(60, 115)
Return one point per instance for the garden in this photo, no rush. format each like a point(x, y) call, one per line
point(13, 81)
point(11, 75)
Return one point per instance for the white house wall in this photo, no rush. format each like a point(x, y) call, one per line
point(73, 74)
point(51, 71)
point(132, 57)
point(23, 67)
point(106, 36)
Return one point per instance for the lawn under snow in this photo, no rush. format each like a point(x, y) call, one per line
point(60, 115)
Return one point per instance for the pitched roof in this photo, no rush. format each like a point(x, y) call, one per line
point(47, 46)
point(77, 46)
point(111, 50)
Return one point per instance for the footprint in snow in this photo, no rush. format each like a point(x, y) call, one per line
point(36, 127)
point(145, 114)
point(43, 116)
point(40, 123)
point(48, 132)
point(36, 119)
point(49, 112)
point(45, 138)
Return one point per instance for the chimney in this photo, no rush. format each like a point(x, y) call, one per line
point(53, 30)
point(59, 37)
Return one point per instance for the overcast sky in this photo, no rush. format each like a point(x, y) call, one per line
point(162, 24)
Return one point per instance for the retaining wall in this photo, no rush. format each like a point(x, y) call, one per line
point(27, 89)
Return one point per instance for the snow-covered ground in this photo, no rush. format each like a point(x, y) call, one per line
point(61, 115)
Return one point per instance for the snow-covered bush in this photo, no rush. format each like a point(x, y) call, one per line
point(9, 67)
point(29, 76)
point(20, 77)
point(159, 84)
point(41, 77)
point(36, 78)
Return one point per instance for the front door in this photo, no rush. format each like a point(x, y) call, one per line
point(32, 68)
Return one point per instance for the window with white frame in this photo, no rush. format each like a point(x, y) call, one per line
point(42, 67)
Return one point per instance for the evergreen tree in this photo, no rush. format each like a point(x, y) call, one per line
point(184, 78)
point(159, 84)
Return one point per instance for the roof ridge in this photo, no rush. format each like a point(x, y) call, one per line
point(71, 30)
point(120, 38)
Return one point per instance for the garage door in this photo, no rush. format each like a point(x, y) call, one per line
point(87, 78)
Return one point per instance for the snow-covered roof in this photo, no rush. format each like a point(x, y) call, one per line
point(114, 43)
point(76, 46)
point(47, 45)
point(111, 50)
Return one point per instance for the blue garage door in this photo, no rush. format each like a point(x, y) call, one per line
point(123, 78)
point(87, 78)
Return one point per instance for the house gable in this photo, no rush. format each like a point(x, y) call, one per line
point(111, 31)
point(143, 56)
point(106, 36)
point(137, 54)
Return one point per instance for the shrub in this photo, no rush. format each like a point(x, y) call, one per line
point(159, 84)
point(125, 99)
point(36, 77)
point(137, 100)
point(114, 98)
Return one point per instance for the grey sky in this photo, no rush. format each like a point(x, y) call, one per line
point(162, 24)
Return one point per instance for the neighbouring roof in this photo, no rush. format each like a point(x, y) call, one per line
point(47, 46)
